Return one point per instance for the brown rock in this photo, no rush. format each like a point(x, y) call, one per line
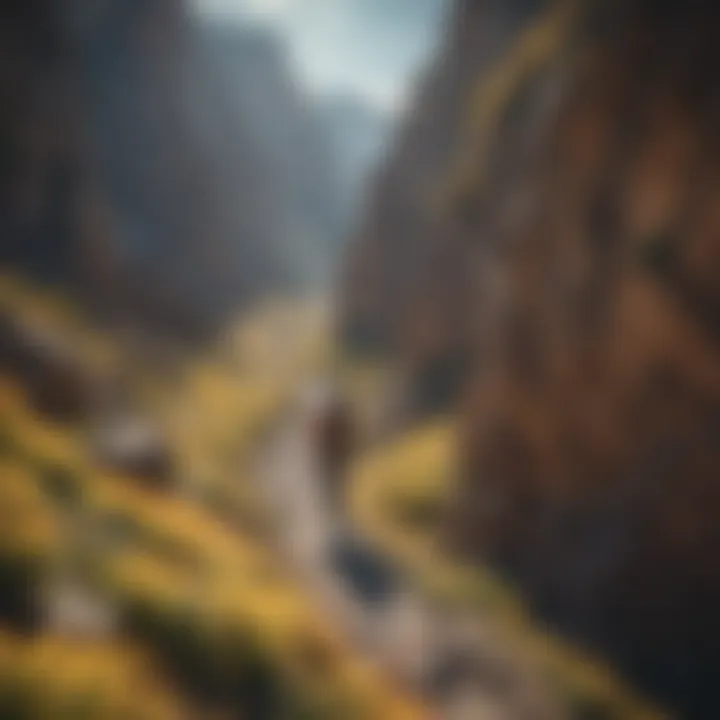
point(55, 378)
point(136, 448)
point(583, 181)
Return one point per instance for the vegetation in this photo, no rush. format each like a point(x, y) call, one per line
point(52, 678)
point(490, 103)
point(399, 494)
point(180, 569)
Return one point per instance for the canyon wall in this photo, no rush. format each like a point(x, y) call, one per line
point(544, 251)
point(163, 166)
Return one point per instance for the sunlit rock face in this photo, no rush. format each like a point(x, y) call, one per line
point(572, 261)
point(136, 166)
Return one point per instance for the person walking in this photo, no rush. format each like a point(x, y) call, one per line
point(335, 436)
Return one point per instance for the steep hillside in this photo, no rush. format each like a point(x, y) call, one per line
point(546, 233)
point(134, 167)
point(403, 277)
point(295, 172)
point(359, 135)
point(138, 573)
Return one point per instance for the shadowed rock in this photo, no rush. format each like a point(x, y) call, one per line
point(137, 448)
point(49, 369)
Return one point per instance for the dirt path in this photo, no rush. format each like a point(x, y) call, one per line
point(308, 533)
point(460, 666)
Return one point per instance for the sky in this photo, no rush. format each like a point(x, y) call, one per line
point(371, 48)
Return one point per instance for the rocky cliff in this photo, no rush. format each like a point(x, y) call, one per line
point(296, 171)
point(358, 134)
point(134, 166)
point(403, 278)
point(546, 238)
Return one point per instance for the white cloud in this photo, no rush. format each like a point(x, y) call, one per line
point(270, 8)
point(369, 48)
point(244, 8)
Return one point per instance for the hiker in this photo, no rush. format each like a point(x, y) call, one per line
point(334, 432)
point(369, 578)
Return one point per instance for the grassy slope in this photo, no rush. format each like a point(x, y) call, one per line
point(399, 494)
point(187, 574)
point(53, 678)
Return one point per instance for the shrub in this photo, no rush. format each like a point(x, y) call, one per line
point(400, 491)
point(29, 539)
point(54, 679)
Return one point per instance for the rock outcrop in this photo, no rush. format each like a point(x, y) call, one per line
point(54, 375)
point(135, 166)
point(546, 238)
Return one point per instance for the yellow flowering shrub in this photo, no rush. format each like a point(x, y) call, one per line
point(179, 569)
point(52, 678)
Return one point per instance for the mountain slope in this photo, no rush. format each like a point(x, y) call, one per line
point(546, 237)
point(137, 167)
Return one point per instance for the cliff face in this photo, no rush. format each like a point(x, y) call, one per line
point(358, 134)
point(134, 167)
point(403, 277)
point(295, 169)
point(575, 276)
